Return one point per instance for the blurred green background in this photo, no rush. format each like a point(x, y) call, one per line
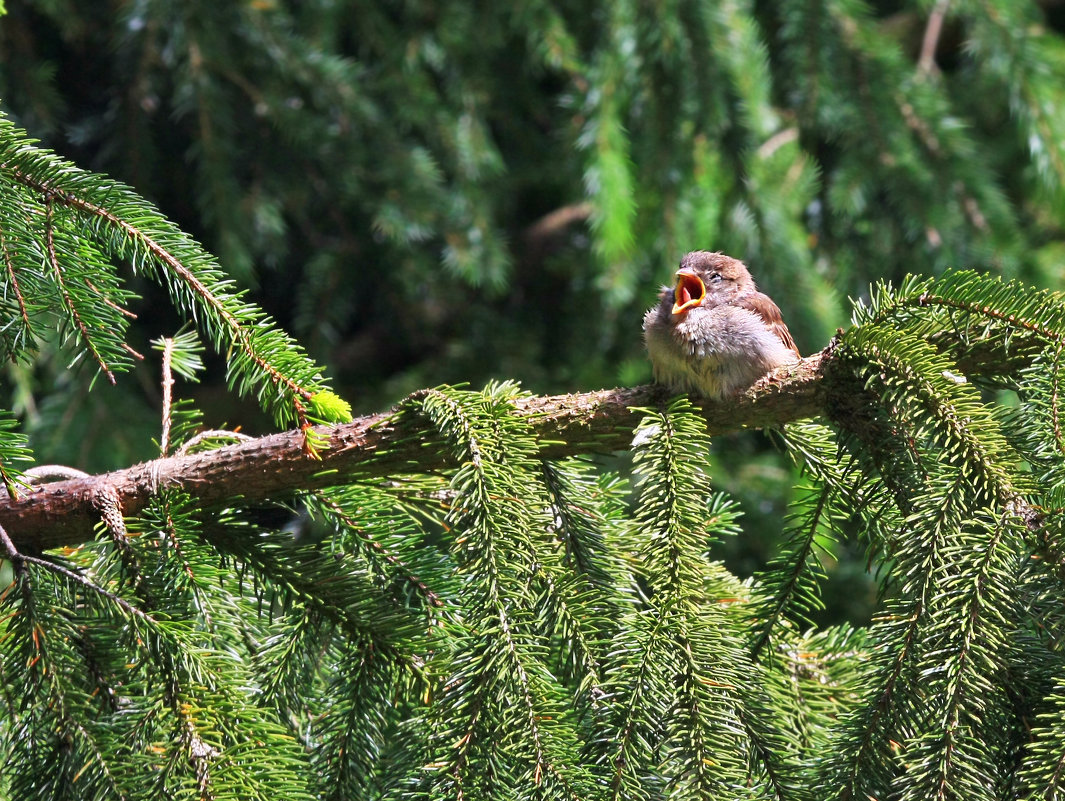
point(445, 191)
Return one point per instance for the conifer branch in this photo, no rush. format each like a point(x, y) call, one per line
point(53, 260)
point(790, 586)
point(108, 302)
point(63, 512)
point(163, 254)
point(10, 266)
point(335, 510)
point(242, 331)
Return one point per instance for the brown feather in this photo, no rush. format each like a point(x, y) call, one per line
point(764, 307)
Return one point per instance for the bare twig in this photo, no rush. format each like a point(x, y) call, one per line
point(557, 221)
point(926, 63)
point(41, 473)
point(168, 388)
point(211, 434)
point(10, 551)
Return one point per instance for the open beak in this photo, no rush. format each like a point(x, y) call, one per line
point(690, 291)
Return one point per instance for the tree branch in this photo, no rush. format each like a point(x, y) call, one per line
point(65, 512)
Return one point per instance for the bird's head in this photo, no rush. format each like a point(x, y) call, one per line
point(710, 279)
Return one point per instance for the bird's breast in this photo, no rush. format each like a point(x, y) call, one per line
point(726, 333)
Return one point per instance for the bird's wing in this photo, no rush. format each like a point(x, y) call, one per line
point(764, 307)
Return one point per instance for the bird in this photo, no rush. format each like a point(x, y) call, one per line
point(713, 333)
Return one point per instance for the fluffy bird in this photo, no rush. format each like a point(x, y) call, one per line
point(713, 333)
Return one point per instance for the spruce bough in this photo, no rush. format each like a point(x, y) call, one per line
point(472, 608)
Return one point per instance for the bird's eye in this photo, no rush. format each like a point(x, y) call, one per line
point(715, 277)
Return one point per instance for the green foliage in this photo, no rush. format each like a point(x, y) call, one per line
point(65, 231)
point(462, 191)
point(441, 192)
point(685, 709)
point(184, 349)
point(13, 451)
point(516, 627)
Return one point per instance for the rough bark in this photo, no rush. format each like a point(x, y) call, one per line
point(65, 512)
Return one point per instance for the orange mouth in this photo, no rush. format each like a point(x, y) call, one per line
point(690, 291)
